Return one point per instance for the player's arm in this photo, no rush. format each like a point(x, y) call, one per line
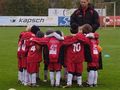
point(92, 35)
point(81, 37)
point(54, 34)
point(69, 40)
point(41, 41)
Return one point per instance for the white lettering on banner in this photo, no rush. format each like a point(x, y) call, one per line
point(29, 20)
point(109, 20)
point(25, 20)
point(68, 12)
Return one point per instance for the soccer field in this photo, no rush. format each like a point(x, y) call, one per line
point(109, 77)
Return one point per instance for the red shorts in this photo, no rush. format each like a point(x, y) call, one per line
point(22, 63)
point(33, 67)
point(75, 67)
point(54, 66)
point(93, 64)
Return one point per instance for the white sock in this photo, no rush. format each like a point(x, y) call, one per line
point(25, 77)
point(20, 76)
point(30, 78)
point(52, 78)
point(58, 76)
point(69, 79)
point(79, 80)
point(34, 78)
point(90, 77)
point(95, 77)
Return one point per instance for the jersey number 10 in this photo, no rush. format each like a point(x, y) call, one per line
point(76, 47)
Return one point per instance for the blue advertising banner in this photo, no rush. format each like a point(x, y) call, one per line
point(63, 21)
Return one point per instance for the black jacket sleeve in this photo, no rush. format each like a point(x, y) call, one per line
point(87, 53)
point(73, 18)
point(61, 55)
point(46, 54)
point(96, 21)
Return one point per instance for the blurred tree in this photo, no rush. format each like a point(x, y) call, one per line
point(2, 7)
point(18, 7)
point(40, 7)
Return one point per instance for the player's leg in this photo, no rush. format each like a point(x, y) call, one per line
point(71, 70)
point(58, 76)
point(45, 72)
point(52, 80)
point(79, 70)
point(37, 72)
point(33, 79)
point(25, 75)
point(79, 79)
point(65, 73)
point(95, 78)
point(20, 75)
point(91, 76)
point(57, 68)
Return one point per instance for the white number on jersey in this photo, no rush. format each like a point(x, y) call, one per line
point(18, 48)
point(95, 50)
point(23, 45)
point(32, 48)
point(53, 49)
point(76, 47)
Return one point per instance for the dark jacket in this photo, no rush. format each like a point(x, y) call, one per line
point(90, 16)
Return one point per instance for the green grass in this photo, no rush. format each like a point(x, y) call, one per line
point(109, 77)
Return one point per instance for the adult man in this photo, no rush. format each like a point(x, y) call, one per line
point(86, 14)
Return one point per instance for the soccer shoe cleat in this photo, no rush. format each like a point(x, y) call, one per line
point(52, 85)
point(80, 86)
point(59, 86)
point(25, 84)
point(85, 84)
point(88, 85)
point(67, 86)
point(94, 85)
point(35, 85)
point(44, 80)
point(19, 82)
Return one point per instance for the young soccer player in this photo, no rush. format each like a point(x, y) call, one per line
point(20, 67)
point(23, 49)
point(46, 57)
point(33, 60)
point(54, 64)
point(92, 66)
point(75, 57)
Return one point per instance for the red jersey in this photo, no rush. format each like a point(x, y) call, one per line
point(23, 46)
point(53, 45)
point(24, 43)
point(34, 53)
point(54, 49)
point(94, 52)
point(19, 44)
point(75, 51)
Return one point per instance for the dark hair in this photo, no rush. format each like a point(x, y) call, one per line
point(74, 28)
point(59, 32)
point(35, 29)
point(49, 32)
point(39, 34)
point(87, 28)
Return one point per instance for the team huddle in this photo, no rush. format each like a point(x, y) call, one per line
point(59, 51)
